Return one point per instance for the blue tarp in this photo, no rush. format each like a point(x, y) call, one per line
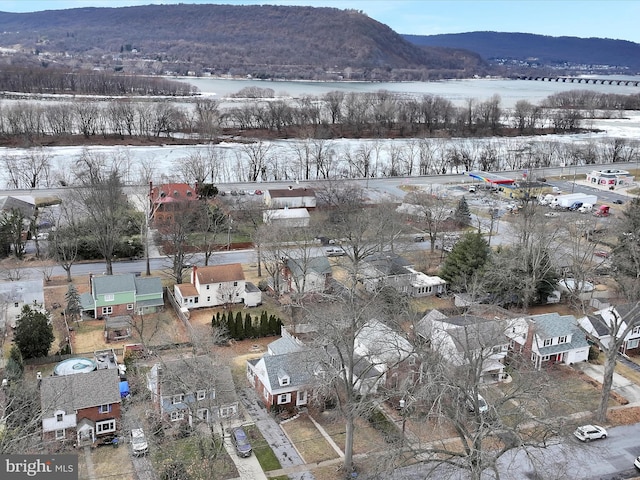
point(124, 389)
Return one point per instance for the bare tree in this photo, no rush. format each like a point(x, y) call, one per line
point(432, 211)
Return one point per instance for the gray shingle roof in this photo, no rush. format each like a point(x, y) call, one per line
point(148, 285)
point(284, 345)
point(78, 391)
point(319, 265)
point(296, 365)
point(552, 325)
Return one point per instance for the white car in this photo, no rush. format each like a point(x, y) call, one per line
point(139, 442)
point(586, 433)
point(483, 406)
point(552, 214)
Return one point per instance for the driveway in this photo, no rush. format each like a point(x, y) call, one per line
point(272, 433)
point(621, 385)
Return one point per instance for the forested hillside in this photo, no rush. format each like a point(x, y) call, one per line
point(260, 41)
point(559, 53)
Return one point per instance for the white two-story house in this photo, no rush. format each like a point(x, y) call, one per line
point(217, 285)
point(549, 338)
point(604, 324)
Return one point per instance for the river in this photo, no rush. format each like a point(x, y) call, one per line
point(160, 163)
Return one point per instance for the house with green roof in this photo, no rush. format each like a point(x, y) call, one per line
point(549, 338)
point(123, 294)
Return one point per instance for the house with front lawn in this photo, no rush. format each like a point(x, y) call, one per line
point(387, 269)
point(283, 376)
point(600, 325)
point(123, 294)
point(82, 409)
point(193, 390)
point(15, 295)
point(217, 285)
point(465, 339)
point(549, 338)
point(305, 275)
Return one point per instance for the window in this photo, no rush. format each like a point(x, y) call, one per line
point(129, 306)
point(107, 310)
point(562, 339)
point(59, 417)
point(60, 434)
point(177, 415)
point(177, 399)
point(106, 426)
point(201, 394)
point(228, 411)
point(633, 343)
point(235, 284)
point(208, 286)
point(284, 398)
point(109, 297)
point(636, 330)
point(195, 300)
point(208, 299)
point(16, 305)
point(546, 358)
point(548, 342)
point(285, 381)
point(104, 408)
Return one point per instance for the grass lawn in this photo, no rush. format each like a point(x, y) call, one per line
point(308, 440)
point(198, 457)
point(261, 449)
point(366, 438)
point(108, 462)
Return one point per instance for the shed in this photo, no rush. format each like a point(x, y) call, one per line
point(117, 328)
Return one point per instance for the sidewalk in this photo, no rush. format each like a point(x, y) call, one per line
point(274, 436)
point(621, 385)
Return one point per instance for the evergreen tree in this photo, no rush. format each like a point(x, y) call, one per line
point(466, 260)
point(34, 333)
point(15, 364)
point(248, 326)
point(264, 324)
point(73, 309)
point(240, 333)
point(462, 215)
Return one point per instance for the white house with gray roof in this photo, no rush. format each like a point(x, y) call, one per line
point(82, 408)
point(549, 338)
point(310, 275)
point(282, 377)
point(604, 324)
point(15, 295)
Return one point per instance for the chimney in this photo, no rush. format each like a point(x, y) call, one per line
point(193, 274)
point(150, 188)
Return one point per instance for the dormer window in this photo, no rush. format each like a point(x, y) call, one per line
point(284, 379)
point(176, 193)
point(59, 417)
point(177, 399)
point(562, 339)
point(189, 194)
point(548, 342)
point(201, 394)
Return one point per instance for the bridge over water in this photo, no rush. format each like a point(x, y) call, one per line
point(593, 81)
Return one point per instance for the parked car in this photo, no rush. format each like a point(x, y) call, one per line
point(234, 193)
point(258, 192)
point(551, 214)
point(618, 202)
point(418, 238)
point(473, 189)
point(335, 252)
point(241, 442)
point(601, 253)
point(483, 406)
point(586, 433)
point(139, 442)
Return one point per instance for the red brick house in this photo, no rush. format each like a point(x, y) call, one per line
point(168, 199)
point(81, 408)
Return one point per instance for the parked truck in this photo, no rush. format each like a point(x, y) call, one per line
point(569, 200)
point(602, 211)
point(585, 208)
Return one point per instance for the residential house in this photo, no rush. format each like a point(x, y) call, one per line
point(391, 270)
point(290, 198)
point(169, 199)
point(287, 217)
point(308, 275)
point(283, 375)
point(123, 294)
point(195, 389)
point(25, 205)
point(549, 338)
point(383, 358)
point(217, 285)
point(601, 324)
point(15, 295)
point(82, 408)
point(468, 338)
